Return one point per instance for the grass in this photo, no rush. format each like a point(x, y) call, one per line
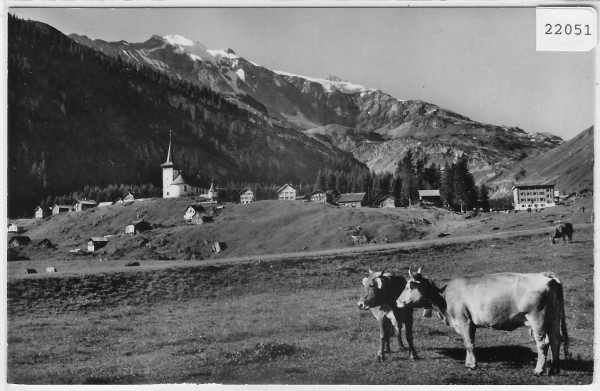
point(265, 227)
point(293, 322)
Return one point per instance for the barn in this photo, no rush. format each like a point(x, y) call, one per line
point(387, 201)
point(353, 200)
point(18, 241)
point(96, 243)
point(136, 227)
point(56, 209)
point(84, 204)
point(199, 219)
point(431, 197)
point(132, 197)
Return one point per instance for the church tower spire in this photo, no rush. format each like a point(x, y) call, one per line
point(169, 173)
point(169, 154)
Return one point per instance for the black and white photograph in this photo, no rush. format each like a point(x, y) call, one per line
point(298, 195)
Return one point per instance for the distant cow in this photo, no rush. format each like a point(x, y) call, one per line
point(132, 264)
point(380, 293)
point(51, 269)
point(503, 301)
point(30, 271)
point(562, 231)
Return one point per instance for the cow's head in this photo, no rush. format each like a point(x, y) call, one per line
point(418, 292)
point(375, 290)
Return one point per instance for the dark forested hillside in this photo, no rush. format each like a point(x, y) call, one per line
point(77, 117)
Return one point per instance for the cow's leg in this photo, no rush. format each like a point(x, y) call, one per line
point(383, 336)
point(397, 319)
point(554, 336)
point(408, 314)
point(387, 324)
point(380, 316)
point(467, 330)
point(541, 343)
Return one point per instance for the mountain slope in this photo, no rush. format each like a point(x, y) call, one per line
point(570, 166)
point(77, 117)
point(377, 128)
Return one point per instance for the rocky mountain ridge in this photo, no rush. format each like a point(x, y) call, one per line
point(375, 127)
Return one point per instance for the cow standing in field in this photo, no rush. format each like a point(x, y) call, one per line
point(380, 293)
point(564, 230)
point(503, 301)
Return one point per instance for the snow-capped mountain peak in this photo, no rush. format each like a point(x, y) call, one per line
point(331, 84)
point(178, 40)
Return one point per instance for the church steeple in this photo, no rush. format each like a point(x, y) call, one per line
point(169, 162)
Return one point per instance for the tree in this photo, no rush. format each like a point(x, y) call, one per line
point(484, 199)
point(331, 181)
point(446, 186)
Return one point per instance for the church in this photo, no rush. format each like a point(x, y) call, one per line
point(176, 185)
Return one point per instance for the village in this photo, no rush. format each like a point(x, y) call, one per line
point(204, 208)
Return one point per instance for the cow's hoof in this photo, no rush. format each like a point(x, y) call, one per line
point(538, 373)
point(380, 358)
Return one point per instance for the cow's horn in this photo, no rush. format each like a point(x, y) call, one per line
point(370, 271)
point(382, 271)
point(419, 271)
point(410, 272)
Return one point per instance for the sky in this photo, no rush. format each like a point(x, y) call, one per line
point(478, 62)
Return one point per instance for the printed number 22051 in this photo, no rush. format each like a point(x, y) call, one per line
point(567, 29)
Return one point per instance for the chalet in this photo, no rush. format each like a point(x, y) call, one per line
point(199, 219)
point(84, 204)
point(18, 241)
point(533, 196)
point(45, 243)
point(387, 201)
point(137, 226)
point(56, 209)
point(430, 197)
point(132, 197)
point(353, 200)
point(104, 204)
point(246, 196)
point(40, 212)
point(318, 196)
point(286, 192)
point(193, 210)
point(96, 243)
point(14, 229)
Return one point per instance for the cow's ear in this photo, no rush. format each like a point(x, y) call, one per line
point(442, 289)
point(364, 282)
point(379, 282)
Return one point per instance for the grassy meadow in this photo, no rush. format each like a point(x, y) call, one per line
point(292, 322)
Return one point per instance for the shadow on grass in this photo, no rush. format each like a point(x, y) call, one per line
point(517, 356)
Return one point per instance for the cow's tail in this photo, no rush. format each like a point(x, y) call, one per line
point(561, 306)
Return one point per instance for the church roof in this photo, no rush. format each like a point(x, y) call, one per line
point(179, 181)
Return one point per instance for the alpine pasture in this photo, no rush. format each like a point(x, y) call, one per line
point(290, 319)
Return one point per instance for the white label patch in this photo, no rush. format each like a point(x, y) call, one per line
point(565, 29)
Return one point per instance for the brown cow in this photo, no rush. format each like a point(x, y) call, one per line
point(564, 230)
point(381, 290)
